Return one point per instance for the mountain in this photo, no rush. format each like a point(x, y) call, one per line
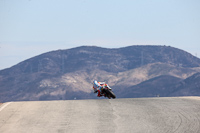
point(165, 86)
point(158, 86)
point(110, 60)
point(188, 87)
point(68, 74)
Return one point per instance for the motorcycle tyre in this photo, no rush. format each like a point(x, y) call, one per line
point(110, 93)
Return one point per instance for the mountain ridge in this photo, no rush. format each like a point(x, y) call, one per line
point(161, 54)
point(66, 73)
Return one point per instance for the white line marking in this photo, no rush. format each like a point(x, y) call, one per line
point(4, 105)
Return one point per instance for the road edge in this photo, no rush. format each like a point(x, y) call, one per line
point(4, 105)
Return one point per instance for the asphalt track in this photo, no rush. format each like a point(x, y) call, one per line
point(141, 115)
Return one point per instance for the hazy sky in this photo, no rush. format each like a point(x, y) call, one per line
point(32, 27)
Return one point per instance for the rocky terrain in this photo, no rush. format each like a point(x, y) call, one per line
point(134, 71)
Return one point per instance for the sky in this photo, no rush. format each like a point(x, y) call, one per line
point(32, 27)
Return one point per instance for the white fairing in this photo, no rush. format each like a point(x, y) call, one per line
point(109, 87)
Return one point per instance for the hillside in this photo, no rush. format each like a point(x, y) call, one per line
point(110, 60)
point(188, 87)
point(68, 74)
point(154, 87)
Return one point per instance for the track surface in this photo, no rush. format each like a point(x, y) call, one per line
point(143, 115)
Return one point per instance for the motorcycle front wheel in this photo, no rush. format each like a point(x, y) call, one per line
point(110, 93)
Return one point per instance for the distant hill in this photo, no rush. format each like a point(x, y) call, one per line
point(68, 74)
point(155, 87)
point(188, 87)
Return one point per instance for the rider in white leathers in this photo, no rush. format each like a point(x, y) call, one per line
point(98, 87)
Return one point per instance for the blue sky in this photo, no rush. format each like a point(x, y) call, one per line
point(32, 27)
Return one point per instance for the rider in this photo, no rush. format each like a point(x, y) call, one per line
point(98, 87)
